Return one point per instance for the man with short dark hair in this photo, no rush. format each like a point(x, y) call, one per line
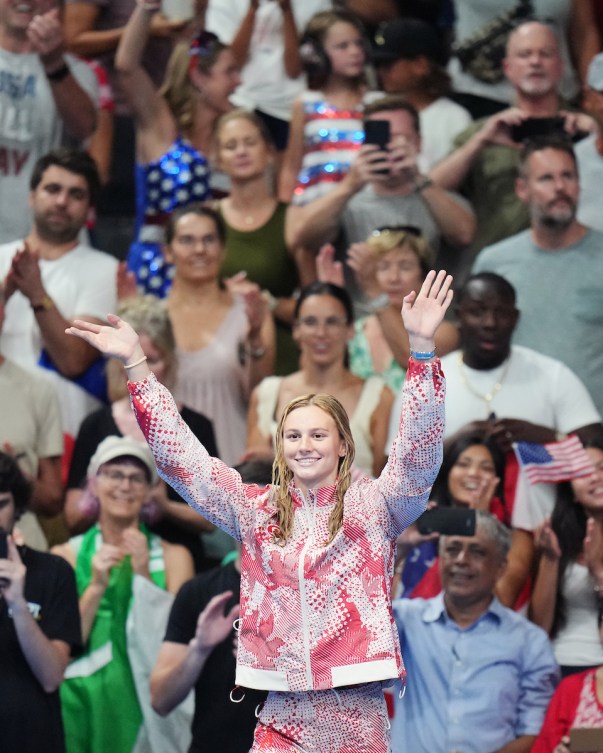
point(556, 267)
point(50, 278)
point(480, 676)
point(46, 97)
point(39, 629)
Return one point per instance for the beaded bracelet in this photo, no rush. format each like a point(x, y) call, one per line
point(423, 355)
point(136, 363)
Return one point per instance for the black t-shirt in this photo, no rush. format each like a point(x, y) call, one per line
point(30, 718)
point(218, 724)
point(99, 425)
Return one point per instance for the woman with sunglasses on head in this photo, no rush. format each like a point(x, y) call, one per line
point(323, 326)
point(174, 129)
point(103, 700)
point(316, 627)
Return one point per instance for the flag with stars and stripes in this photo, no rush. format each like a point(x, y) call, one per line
point(553, 462)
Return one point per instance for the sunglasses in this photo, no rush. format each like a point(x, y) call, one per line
point(410, 229)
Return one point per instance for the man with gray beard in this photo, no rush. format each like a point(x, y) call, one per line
point(556, 266)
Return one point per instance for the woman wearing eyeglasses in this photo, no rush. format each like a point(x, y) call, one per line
point(322, 328)
point(101, 700)
point(174, 129)
point(392, 262)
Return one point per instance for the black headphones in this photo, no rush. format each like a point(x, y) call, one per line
point(315, 60)
point(313, 57)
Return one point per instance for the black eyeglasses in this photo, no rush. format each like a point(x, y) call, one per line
point(203, 44)
point(410, 229)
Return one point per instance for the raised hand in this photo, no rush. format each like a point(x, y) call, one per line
point(212, 626)
point(45, 34)
point(423, 313)
point(327, 269)
point(362, 260)
point(546, 541)
point(126, 282)
point(12, 575)
point(481, 497)
point(593, 550)
point(117, 339)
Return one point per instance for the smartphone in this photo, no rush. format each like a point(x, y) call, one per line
point(3, 545)
point(533, 127)
point(377, 132)
point(449, 521)
point(583, 740)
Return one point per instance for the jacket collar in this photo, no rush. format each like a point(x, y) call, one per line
point(322, 497)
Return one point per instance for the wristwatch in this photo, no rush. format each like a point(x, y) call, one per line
point(421, 183)
point(45, 305)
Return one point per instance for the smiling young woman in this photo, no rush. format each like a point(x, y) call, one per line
point(317, 551)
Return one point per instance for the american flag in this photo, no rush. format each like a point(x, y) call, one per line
point(552, 462)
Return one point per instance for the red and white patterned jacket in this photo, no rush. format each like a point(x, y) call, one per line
point(312, 616)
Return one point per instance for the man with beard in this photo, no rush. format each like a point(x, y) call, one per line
point(50, 278)
point(484, 165)
point(556, 266)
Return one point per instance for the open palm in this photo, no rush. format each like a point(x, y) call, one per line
point(117, 339)
point(423, 313)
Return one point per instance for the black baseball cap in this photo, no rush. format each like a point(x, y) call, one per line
point(407, 38)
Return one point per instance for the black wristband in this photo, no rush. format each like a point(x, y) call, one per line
point(59, 74)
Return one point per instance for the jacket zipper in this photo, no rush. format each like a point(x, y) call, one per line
point(302, 590)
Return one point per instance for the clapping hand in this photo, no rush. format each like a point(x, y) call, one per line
point(424, 311)
point(327, 269)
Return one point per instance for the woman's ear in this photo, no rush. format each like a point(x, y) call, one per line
point(167, 253)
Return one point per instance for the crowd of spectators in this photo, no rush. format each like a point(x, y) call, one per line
point(255, 186)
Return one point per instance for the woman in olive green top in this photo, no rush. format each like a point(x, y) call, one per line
point(255, 223)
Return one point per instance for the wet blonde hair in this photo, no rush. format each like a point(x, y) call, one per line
point(385, 240)
point(282, 475)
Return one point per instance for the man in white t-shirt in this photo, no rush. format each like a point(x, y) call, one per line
point(46, 97)
point(50, 278)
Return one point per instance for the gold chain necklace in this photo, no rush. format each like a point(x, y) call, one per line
point(489, 396)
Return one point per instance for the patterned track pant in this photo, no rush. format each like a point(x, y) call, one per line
point(345, 720)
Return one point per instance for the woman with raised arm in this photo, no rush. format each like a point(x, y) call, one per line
point(317, 551)
point(174, 129)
